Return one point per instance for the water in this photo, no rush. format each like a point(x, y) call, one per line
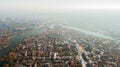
point(17, 39)
point(99, 21)
point(90, 33)
point(106, 22)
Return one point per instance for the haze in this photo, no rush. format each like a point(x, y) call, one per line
point(58, 4)
point(95, 15)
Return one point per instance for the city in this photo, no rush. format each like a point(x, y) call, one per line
point(59, 33)
point(57, 46)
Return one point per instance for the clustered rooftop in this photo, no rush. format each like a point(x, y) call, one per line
point(62, 48)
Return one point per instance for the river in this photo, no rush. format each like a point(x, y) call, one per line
point(17, 39)
point(89, 32)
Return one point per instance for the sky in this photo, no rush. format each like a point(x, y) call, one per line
point(58, 4)
point(98, 19)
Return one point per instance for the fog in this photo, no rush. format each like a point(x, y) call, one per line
point(98, 16)
point(102, 21)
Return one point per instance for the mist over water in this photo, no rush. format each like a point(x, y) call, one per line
point(102, 21)
point(106, 22)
